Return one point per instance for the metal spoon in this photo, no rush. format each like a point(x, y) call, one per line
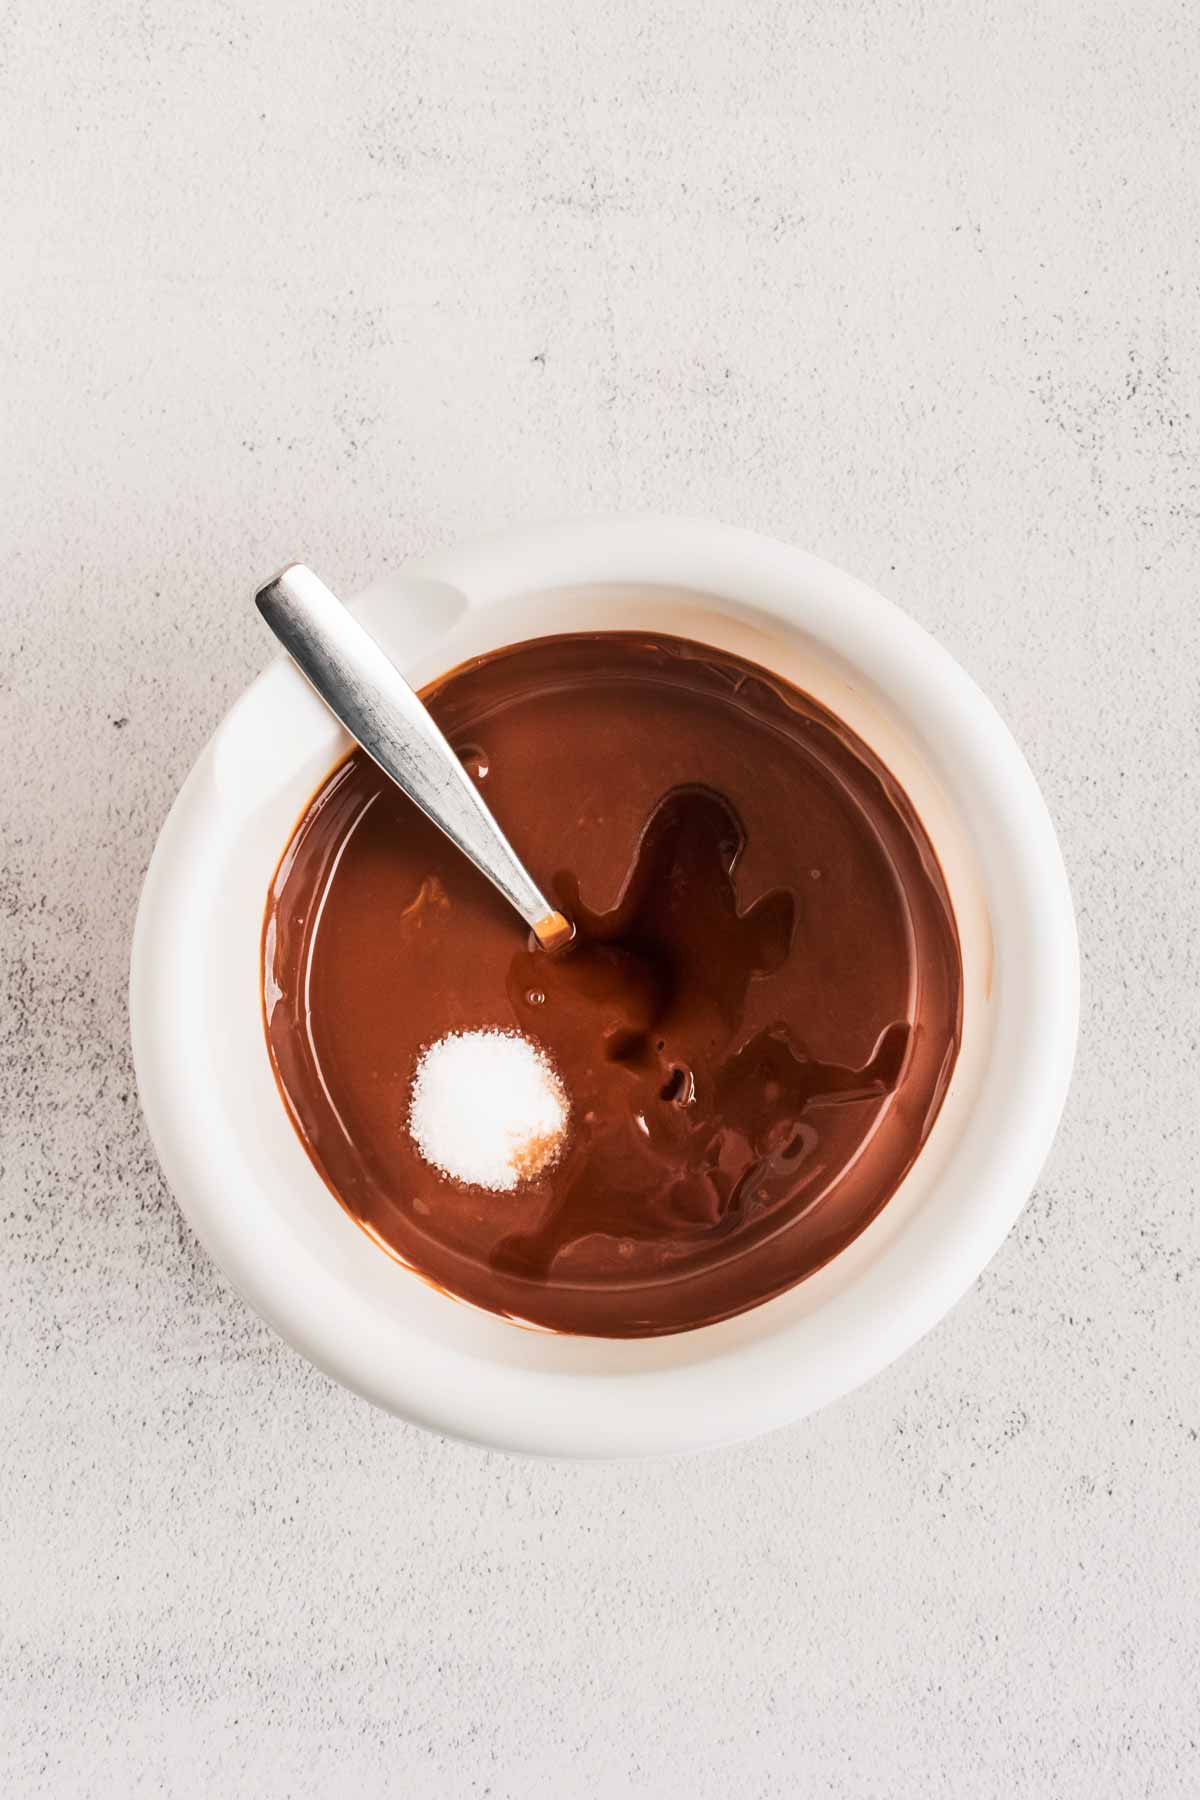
point(371, 698)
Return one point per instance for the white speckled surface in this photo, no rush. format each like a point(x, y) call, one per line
point(912, 285)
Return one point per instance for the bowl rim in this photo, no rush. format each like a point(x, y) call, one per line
point(758, 1386)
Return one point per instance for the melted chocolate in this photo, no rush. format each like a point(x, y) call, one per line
point(755, 1023)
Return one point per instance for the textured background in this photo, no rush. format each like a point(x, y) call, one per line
point(912, 285)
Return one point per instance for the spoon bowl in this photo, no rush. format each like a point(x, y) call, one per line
point(246, 1185)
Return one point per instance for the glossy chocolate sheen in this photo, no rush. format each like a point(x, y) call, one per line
point(755, 1024)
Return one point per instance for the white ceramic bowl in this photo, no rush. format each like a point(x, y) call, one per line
point(249, 1190)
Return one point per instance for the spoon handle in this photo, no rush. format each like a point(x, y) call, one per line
point(370, 697)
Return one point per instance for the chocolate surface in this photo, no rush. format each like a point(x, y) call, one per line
point(754, 1026)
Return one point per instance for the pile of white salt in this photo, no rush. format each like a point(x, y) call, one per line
point(487, 1109)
